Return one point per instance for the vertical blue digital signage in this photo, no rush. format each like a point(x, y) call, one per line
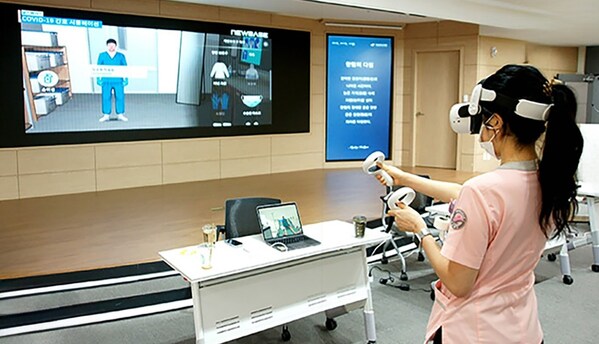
point(359, 76)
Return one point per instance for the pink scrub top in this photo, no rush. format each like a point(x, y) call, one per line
point(495, 230)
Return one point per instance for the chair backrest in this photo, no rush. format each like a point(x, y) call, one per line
point(421, 201)
point(240, 215)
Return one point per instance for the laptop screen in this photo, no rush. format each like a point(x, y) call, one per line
point(279, 221)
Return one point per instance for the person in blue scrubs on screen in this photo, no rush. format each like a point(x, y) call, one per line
point(286, 227)
point(111, 57)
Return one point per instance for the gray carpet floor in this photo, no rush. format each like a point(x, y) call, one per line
point(144, 111)
point(567, 314)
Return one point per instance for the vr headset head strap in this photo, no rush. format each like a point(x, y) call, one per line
point(466, 118)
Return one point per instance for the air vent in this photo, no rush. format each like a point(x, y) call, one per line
point(227, 325)
point(317, 300)
point(261, 315)
point(346, 292)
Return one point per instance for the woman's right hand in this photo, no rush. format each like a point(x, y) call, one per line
point(394, 172)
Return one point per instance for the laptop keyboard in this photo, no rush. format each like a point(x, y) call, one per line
point(296, 242)
point(291, 240)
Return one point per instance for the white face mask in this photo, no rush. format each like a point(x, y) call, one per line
point(487, 146)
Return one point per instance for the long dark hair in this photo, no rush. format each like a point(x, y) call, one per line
point(563, 141)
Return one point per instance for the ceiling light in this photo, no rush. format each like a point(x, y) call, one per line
point(364, 26)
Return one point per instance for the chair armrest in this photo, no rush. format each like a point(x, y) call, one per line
point(220, 229)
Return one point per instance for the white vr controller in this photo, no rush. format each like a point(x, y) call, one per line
point(369, 166)
point(404, 195)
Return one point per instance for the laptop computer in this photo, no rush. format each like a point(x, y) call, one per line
point(280, 223)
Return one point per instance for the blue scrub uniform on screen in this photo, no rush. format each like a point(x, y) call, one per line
point(110, 84)
point(286, 227)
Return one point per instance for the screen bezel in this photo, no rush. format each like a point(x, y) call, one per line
point(391, 95)
point(291, 112)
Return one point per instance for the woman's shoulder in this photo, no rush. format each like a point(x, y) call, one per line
point(497, 179)
point(483, 178)
point(491, 179)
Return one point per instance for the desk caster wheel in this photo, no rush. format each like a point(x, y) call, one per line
point(551, 257)
point(403, 276)
point(371, 342)
point(420, 257)
point(286, 335)
point(595, 267)
point(330, 324)
point(567, 279)
point(384, 260)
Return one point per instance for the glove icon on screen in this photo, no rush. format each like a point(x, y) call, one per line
point(99, 81)
point(125, 81)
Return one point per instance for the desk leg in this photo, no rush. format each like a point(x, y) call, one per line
point(593, 205)
point(197, 313)
point(369, 322)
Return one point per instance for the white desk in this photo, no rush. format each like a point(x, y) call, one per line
point(255, 287)
point(591, 192)
point(589, 183)
point(571, 242)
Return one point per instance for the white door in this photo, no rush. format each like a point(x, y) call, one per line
point(437, 89)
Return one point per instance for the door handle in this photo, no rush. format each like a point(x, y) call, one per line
point(419, 114)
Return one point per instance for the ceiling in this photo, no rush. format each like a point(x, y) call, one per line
point(550, 22)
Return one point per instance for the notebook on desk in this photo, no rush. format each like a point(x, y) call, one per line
point(280, 223)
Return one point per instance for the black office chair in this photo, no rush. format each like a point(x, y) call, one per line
point(241, 218)
point(420, 203)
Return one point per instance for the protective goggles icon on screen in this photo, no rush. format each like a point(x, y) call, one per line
point(466, 118)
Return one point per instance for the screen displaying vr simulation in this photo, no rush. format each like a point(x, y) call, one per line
point(89, 77)
point(359, 76)
point(280, 221)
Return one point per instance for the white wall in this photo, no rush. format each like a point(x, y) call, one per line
point(168, 60)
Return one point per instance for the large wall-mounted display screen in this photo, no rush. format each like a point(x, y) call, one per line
point(359, 94)
point(79, 77)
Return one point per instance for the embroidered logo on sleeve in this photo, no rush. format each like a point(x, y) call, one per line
point(451, 206)
point(458, 219)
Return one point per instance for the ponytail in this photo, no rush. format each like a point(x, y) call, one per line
point(560, 157)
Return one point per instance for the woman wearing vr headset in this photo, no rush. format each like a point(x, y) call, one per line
point(501, 219)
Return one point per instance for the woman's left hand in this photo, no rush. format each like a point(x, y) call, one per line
point(407, 219)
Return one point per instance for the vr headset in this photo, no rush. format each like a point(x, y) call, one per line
point(467, 118)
